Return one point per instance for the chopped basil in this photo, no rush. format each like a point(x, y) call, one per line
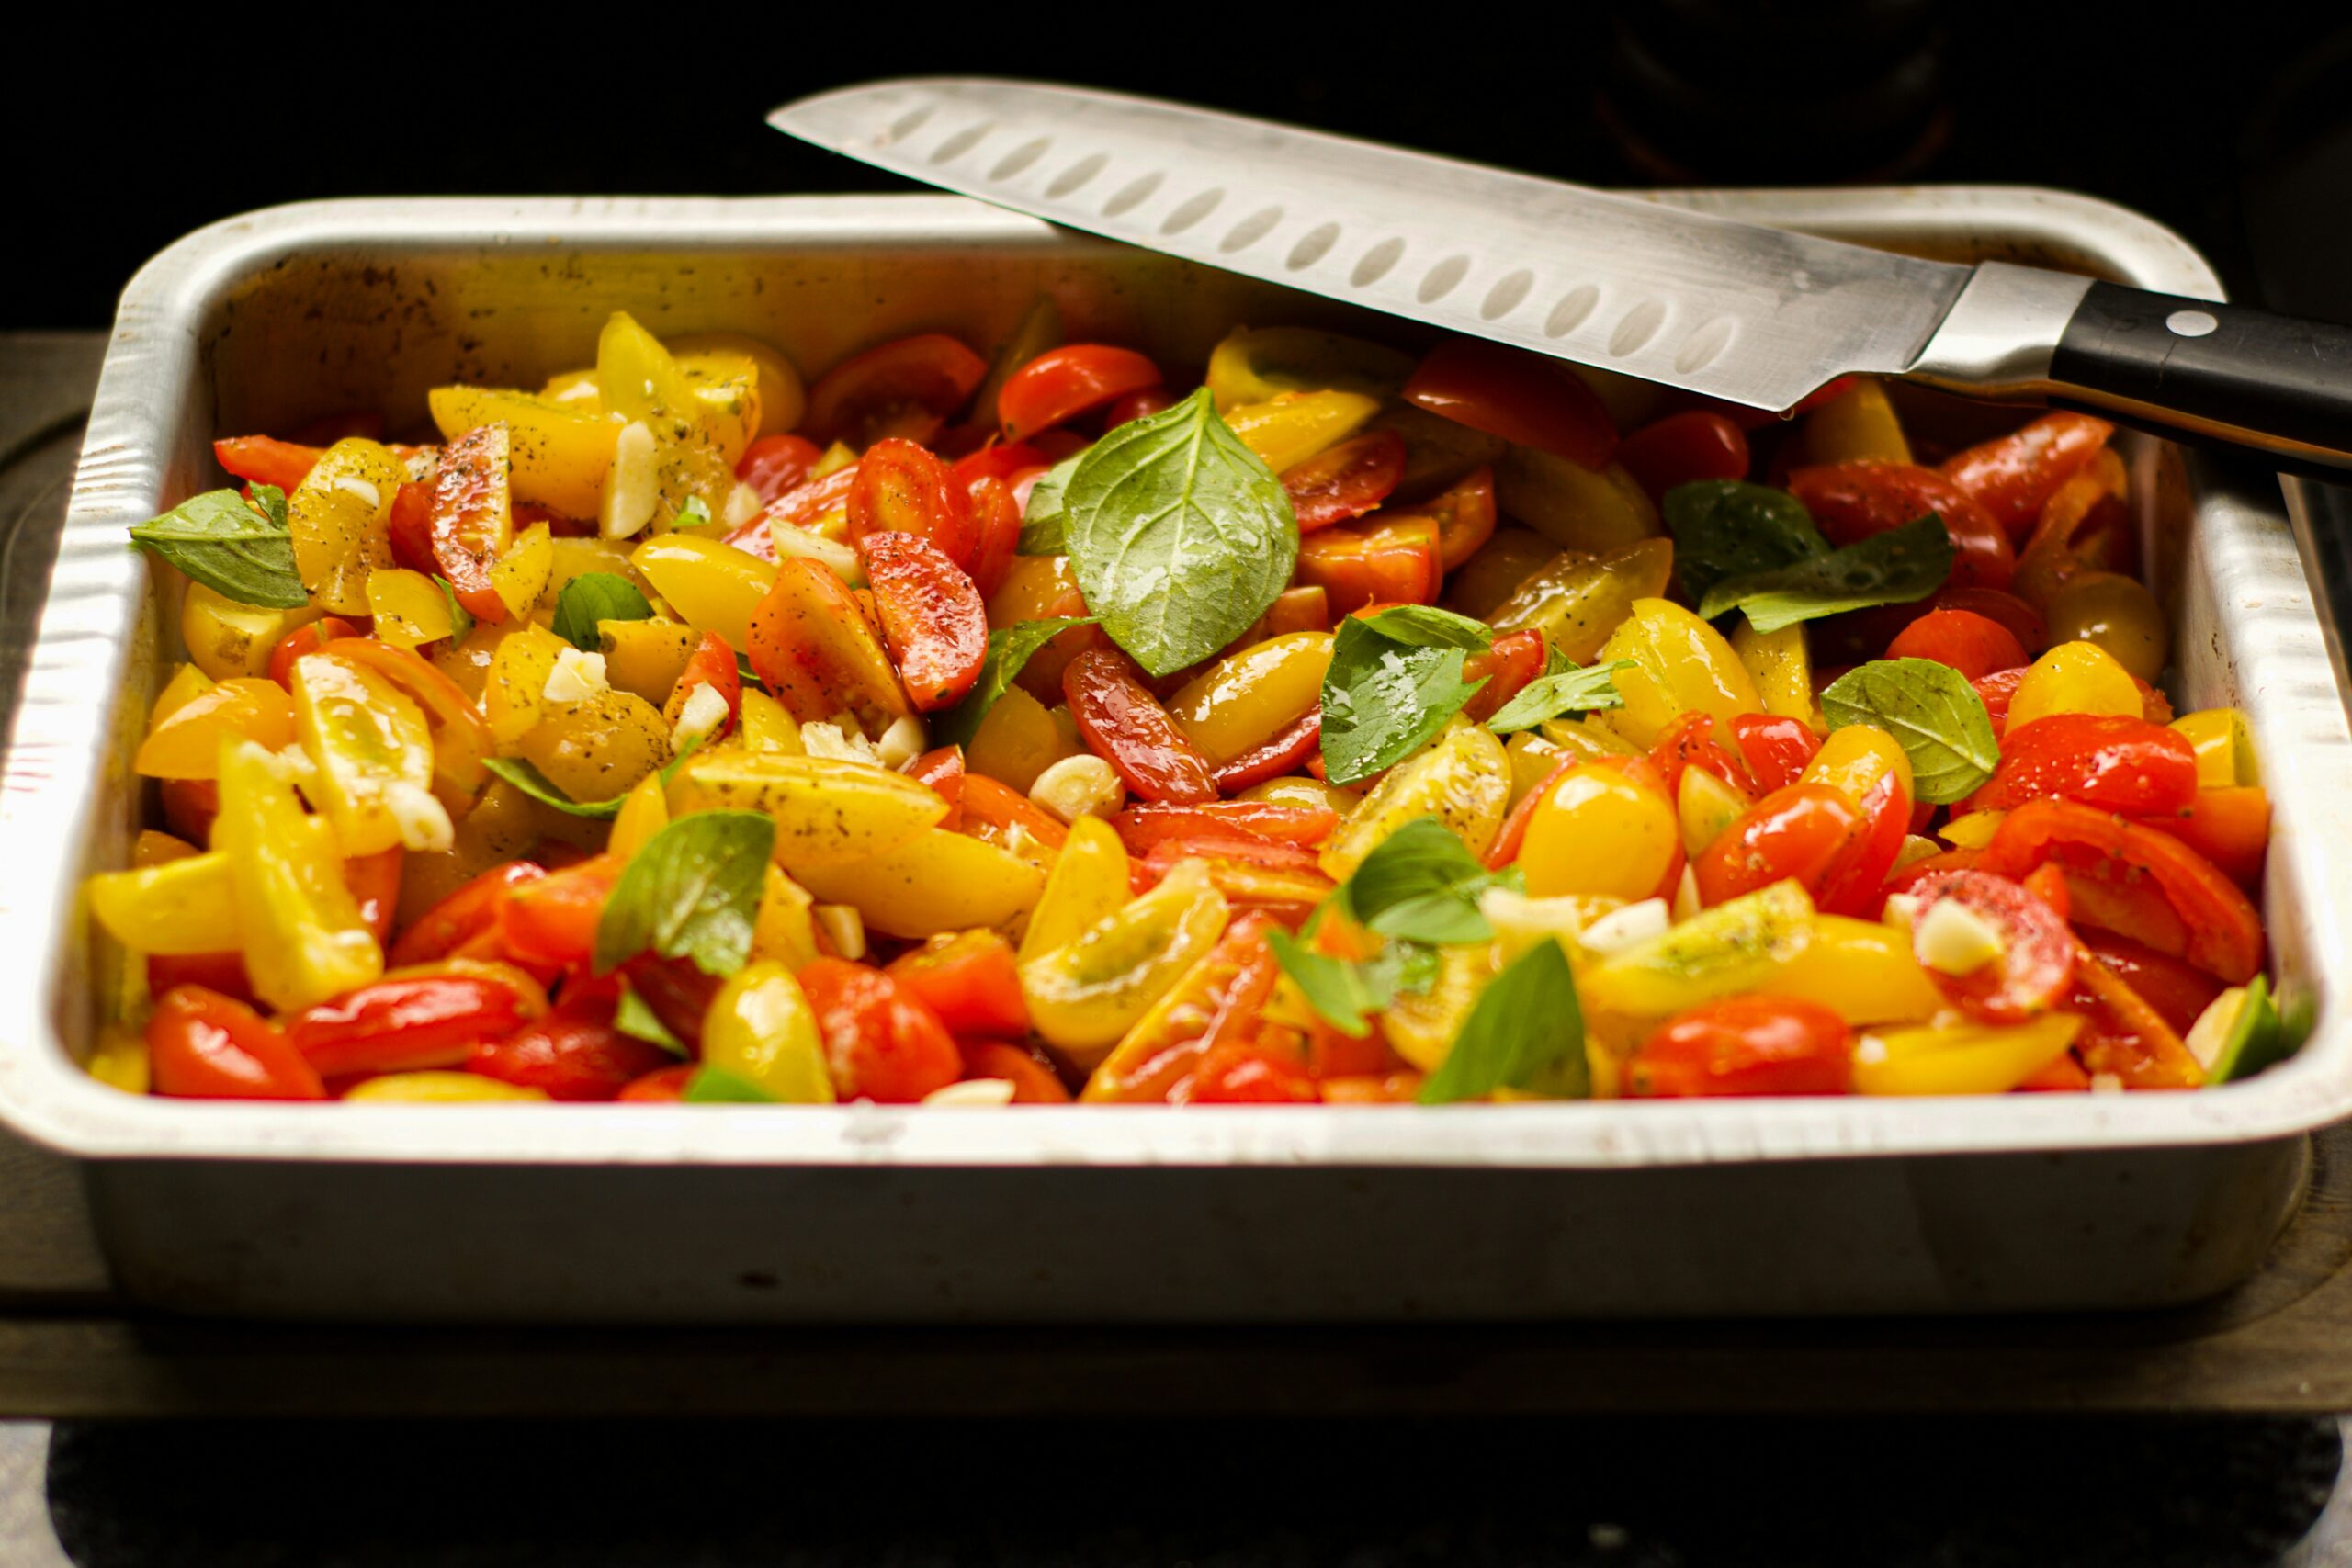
point(1934, 714)
point(1897, 566)
point(693, 512)
point(1344, 993)
point(1727, 528)
point(1010, 650)
point(1041, 520)
point(461, 620)
point(595, 596)
point(637, 1020)
point(241, 553)
point(1526, 1031)
point(1382, 699)
point(691, 892)
point(1180, 534)
point(1550, 695)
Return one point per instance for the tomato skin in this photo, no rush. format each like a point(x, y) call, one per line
point(999, 460)
point(1465, 515)
point(2230, 826)
point(1033, 1082)
point(871, 394)
point(662, 1086)
point(1797, 831)
point(1215, 1005)
point(2179, 991)
point(996, 532)
point(774, 465)
point(1137, 405)
point(1776, 748)
point(881, 1043)
point(970, 980)
point(1744, 1045)
point(1697, 443)
point(374, 882)
point(573, 1053)
point(902, 489)
point(1395, 561)
point(2167, 895)
point(1507, 665)
point(1063, 383)
point(1854, 500)
point(2012, 477)
point(1123, 724)
point(469, 521)
point(1518, 396)
point(993, 809)
point(713, 665)
point(1996, 692)
point(1239, 1074)
point(464, 914)
point(264, 460)
point(189, 806)
point(1284, 751)
point(1346, 480)
point(1690, 742)
point(302, 640)
point(2020, 619)
point(203, 1045)
point(404, 1025)
point(2037, 963)
point(222, 972)
point(552, 919)
point(1855, 881)
point(1973, 644)
point(943, 768)
point(1141, 827)
point(2122, 1034)
point(2125, 766)
point(931, 618)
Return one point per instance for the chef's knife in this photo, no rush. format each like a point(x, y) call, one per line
point(1736, 310)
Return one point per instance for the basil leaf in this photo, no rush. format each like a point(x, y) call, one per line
point(1549, 696)
point(1526, 1031)
point(243, 555)
point(1041, 520)
point(524, 775)
point(1559, 663)
point(1010, 650)
point(595, 596)
point(1934, 714)
point(1332, 986)
point(717, 1086)
point(461, 620)
point(1895, 568)
point(1426, 625)
point(1727, 528)
point(691, 892)
point(2257, 1037)
point(1180, 534)
point(1421, 884)
point(1382, 699)
point(637, 1020)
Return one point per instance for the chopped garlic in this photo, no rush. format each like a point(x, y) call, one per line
point(1621, 929)
point(835, 744)
point(1083, 785)
point(352, 484)
point(1954, 939)
point(841, 561)
point(576, 677)
point(973, 1092)
point(1902, 910)
point(633, 486)
point(743, 503)
point(843, 927)
point(2106, 1083)
point(902, 742)
point(698, 718)
point(1870, 1050)
point(424, 821)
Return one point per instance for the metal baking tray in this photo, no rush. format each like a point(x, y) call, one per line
point(884, 1213)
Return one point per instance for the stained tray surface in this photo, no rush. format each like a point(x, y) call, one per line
point(262, 320)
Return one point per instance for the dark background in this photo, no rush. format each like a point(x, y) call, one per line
point(2233, 123)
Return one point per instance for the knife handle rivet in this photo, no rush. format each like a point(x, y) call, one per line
point(1373, 265)
point(1440, 280)
point(2191, 324)
point(1312, 246)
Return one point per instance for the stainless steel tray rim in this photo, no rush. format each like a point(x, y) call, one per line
point(48, 1098)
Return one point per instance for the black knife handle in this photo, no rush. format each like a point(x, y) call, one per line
point(2202, 370)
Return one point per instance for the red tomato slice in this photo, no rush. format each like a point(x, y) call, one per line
point(1393, 562)
point(2125, 766)
point(1033, 1080)
point(1854, 500)
point(464, 914)
point(943, 768)
point(571, 1054)
point(1239, 1074)
point(993, 809)
point(1690, 742)
point(1215, 1003)
point(203, 1045)
point(998, 460)
point(2229, 826)
point(902, 489)
point(409, 530)
point(2021, 620)
point(2122, 1035)
point(1284, 751)
point(2179, 992)
point(1744, 1045)
point(933, 620)
point(221, 972)
point(1243, 822)
point(1123, 724)
point(552, 919)
point(1776, 748)
point(1346, 480)
point(2037, 962)
point(1855, 883)
point(996, 532)
point(1138, 405)
point(305, 639)
point(405, 1023)
point(777, 465)
point(2013, 477)
point(1797, 832)
point(264, 460)
point(872, 394)
point(713, 665)
point(1681, 448)
point(1063, 383)
point(970, 980)
point(470, 523)
point(1465, 518)
point(1973, 644)
point(662, 1086)
point(374, 882)
point(1506, 666)
point(1519, 397)
point(881, 1043)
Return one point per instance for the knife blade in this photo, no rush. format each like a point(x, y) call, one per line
point(1739, 312)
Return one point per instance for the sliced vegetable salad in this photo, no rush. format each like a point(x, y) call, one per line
point(1349, 727)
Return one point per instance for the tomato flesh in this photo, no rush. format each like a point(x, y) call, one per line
point(881, 1042)
point(1744, 1045)
point(872, 394)
point(1854, 500)
point(1346, 480)
point(1682, 449)
point(203, 1045)
point(2036, 960)
point(1519, 397)
point(1797, 831)
point(2014, 476)
point(2125, 766)
point(1123, 724)
point(1063, 383)
point(970, 980)
point(404, 1025)
point(931, 618)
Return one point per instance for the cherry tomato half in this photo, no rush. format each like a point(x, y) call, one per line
point(264, 460)
point(908, 386)
point(881, 1042)
point(1697, 443)
point(1063, 383)
point(1973, 644)
point(1123, 724)
point(1518, 396)
point(203, 1045)
point(970, 980)
point(931, 618)
point(902, 489)
point(1744, 1045)
point(2036, 964)
point(2126, 765)
point(1776, 748)
point(573, 1053)
point(1797, 831)
point(405, 1023)
point(470, 521)
point(2013, 476)
point(1853, 500)
point(462, 915)
point(775, 465)
point(712, 665)
point(1346, 480)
